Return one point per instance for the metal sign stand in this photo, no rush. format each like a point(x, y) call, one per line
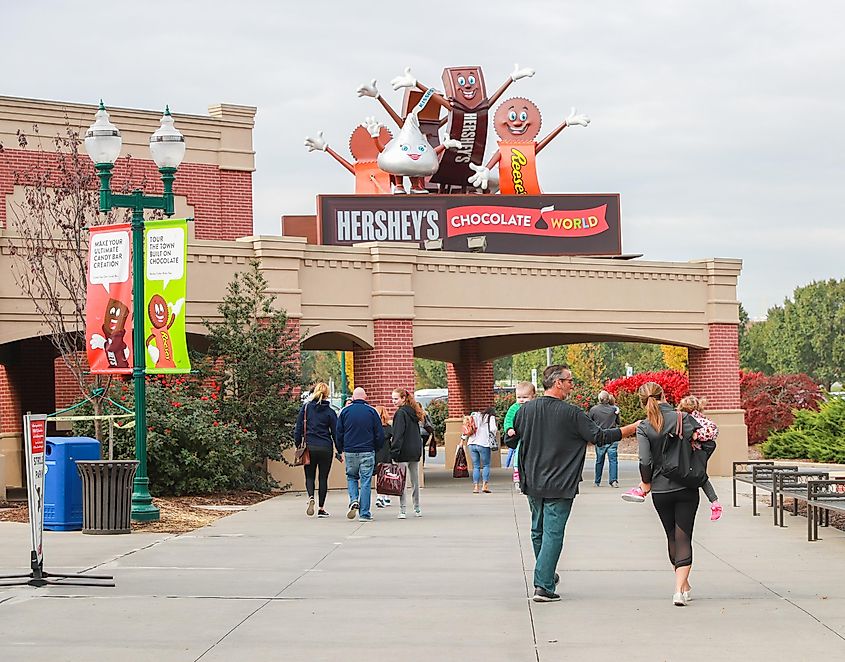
point(34, 426)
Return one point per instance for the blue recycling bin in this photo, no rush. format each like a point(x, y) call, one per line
point(62, 485)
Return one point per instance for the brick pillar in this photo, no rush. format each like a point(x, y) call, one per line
point(293, 326)
point(10, 402)
point(470, 381)
point(390, 364)
point(714, 374)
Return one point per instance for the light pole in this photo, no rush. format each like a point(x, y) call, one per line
point(167, 145)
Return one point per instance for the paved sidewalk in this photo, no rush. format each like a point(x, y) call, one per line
point(269, 583)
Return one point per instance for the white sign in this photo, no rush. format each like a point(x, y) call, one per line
point(166, 254)
point(109, 261)
point(534, 377)
point(35, 437)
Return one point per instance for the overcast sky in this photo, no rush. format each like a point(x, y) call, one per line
point(720, 122)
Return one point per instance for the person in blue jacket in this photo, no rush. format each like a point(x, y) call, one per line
point(315, 427)
point(359, 436)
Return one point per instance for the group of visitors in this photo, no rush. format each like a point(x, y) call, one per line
point(361, 436)
point(552, 436)
point(549, 437)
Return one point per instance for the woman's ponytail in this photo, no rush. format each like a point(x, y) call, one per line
point(651, 394)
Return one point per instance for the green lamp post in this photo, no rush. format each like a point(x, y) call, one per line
point(167, 145)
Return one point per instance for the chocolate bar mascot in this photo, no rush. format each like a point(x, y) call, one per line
point(517, 123)
point(466, 101)
point(159, 343)
point(409, 154)
point(114, 330)
point(369, 178)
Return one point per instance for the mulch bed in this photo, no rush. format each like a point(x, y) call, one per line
point(178, 514)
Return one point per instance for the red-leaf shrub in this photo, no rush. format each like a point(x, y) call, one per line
point(769, 401)
point(675, 384)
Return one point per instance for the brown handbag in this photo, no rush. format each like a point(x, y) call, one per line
point(302, 456)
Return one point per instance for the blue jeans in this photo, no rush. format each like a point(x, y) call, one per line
point(359, 467)
point(480, 458)
point(548, 523)
point(611, 451)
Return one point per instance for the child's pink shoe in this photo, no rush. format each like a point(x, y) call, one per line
point(636, 495)
point(715, 511)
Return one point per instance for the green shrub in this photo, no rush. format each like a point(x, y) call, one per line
point(502, 403)
point(814, 435)
point(438, 412)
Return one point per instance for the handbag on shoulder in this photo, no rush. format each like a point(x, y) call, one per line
point(302, 456)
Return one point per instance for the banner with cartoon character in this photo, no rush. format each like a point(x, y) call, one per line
point(166, 253)
point(108, 317)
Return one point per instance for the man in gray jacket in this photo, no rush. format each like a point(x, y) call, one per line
point(553, 442)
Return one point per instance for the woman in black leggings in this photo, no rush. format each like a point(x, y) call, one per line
point(315, 427)
point(675, 504)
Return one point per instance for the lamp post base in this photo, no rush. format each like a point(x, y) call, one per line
point(143, 509)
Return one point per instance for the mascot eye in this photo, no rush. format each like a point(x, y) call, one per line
point(405, 148)
point(421, 148)
point(523, 116)
point(461, 80)
point(512, 116)
point(472, 80)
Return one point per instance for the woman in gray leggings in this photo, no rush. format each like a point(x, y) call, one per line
point(406, 445)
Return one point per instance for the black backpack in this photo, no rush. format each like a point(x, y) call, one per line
point(679, 461)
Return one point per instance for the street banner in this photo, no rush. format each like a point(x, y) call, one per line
point(108, 304)
point(547, 224)
point(165, 285)
point(35, 433)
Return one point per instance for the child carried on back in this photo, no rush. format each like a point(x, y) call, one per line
point(703, 438)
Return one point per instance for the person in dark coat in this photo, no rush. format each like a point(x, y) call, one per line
point(315, 427)
point(383, 456)
point(406, 445)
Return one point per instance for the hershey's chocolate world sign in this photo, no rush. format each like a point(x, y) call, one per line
point(552, 224)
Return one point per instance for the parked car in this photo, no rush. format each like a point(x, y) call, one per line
point(426, 396)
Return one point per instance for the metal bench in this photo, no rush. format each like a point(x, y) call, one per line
point(792, 484)
point(742, 473)
point(823, 497)
point(763, 478)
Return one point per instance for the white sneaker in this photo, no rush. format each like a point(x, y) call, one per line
point(687, 596)
point(417, 512)
point(678, 600)
point(310, 510)
point(402, 515)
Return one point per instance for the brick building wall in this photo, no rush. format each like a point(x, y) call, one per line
point(714, 372)
point(221, 199)
point(470, 381)
point(390, 364)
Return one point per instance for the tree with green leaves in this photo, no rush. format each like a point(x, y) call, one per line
point(255, 359)
point(807, 333)
point(429, 373)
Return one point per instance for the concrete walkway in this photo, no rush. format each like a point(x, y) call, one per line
point(269, 584)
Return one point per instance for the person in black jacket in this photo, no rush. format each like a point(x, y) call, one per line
point(315, 427)
point(383, 456)
point(406, 446)
point(553, 438)
point(676, 504)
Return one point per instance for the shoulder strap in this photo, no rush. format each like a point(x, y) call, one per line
point(305, 425)
point(679, 428)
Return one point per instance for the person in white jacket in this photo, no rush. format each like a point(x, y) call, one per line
point(480, 444)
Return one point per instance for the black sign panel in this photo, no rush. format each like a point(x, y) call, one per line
point(582, 224)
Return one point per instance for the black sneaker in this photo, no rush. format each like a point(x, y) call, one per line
point(542, 595)
point(353, 510)
point(557, 579)
point(322, 513)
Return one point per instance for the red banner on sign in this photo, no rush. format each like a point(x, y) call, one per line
point(108, 306)
point(37, 435)
point(548, 221)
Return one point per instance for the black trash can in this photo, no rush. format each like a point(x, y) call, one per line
point(106, 495)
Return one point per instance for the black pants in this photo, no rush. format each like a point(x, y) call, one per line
point(320, 458)
point(677, 514)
